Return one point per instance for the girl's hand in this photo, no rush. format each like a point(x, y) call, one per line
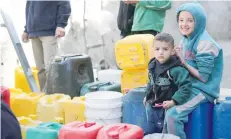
point(179, 53)
point(168, 104)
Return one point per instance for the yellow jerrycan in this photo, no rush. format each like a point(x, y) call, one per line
point(13, 93)
point(74, 109)
point(25, 104)
point(133, 78)
point(134, 51)
point(20, 79)
point(49, 107)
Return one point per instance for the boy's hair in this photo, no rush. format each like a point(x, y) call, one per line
point(165, 37)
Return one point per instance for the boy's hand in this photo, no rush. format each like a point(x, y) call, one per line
point(25, 37)
point(144, 101)
point(60, 32)
point(168, 104)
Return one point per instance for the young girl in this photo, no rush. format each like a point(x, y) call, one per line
point(203, 58)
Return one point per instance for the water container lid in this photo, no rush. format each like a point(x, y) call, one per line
point(58, 59)
point(113, 135)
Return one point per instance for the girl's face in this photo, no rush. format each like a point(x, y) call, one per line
point(186, 23)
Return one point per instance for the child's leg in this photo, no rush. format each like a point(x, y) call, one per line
point(155, 119)
point(177, 116)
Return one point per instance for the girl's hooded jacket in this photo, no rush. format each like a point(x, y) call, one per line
point(203, 53)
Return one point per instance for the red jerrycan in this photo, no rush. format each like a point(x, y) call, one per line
point(79, 130)
point(5, 95)
point(120, 131)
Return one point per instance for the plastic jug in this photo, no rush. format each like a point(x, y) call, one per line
point(134, 51)
point(78, 130)
point(134, 110)
point(100, 86)
point(49, 130)
point(133, 78)
point(14, 92)
point(25, 104)
point(25, 123)
point(74, 109)
point(67, 74)
point(120, 131)
point(49, 107)
point(21, 81)
point(222, 119)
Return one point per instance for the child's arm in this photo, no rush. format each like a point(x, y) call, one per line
point(182, 79)
point(206, 53)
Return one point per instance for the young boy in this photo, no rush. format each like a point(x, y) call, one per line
point(169, 83)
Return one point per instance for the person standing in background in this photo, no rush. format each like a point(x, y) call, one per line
point(125, 18)
point(45, 23)
point(149, 16)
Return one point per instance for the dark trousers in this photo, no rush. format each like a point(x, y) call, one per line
point(155, 118)
point(153, 32)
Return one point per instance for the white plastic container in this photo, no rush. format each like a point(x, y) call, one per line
point(109, 75)
point(103, 107)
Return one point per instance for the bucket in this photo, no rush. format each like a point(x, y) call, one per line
point(103, 107)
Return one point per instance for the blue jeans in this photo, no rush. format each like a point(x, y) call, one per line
point(155, 118)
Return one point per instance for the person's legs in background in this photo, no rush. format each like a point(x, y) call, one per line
point(44, 49)
point(39, 58)
point(50, 50)
point(153, 32)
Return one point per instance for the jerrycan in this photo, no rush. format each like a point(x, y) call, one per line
point(120, 131)
point(134, 51)
point(47, 130)
point(78, 130)
point(49, 107)
point(21, 81)
point(14, 92)
point(74, 109)
point(68, 73)
point(25, 104)
point(25, 123)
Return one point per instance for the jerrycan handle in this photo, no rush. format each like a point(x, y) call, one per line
point(115, 134)
point(86, 124)
point(53, 125)
point(96, 87)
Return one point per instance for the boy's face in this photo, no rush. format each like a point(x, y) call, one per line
point(186, 23)
point(163, 51)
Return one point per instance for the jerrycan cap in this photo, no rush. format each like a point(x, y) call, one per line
point(113, 135)
point(49, 100)
point(58, 58)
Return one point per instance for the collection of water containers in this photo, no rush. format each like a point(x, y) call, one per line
point(107, 107)
point(74, 94)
